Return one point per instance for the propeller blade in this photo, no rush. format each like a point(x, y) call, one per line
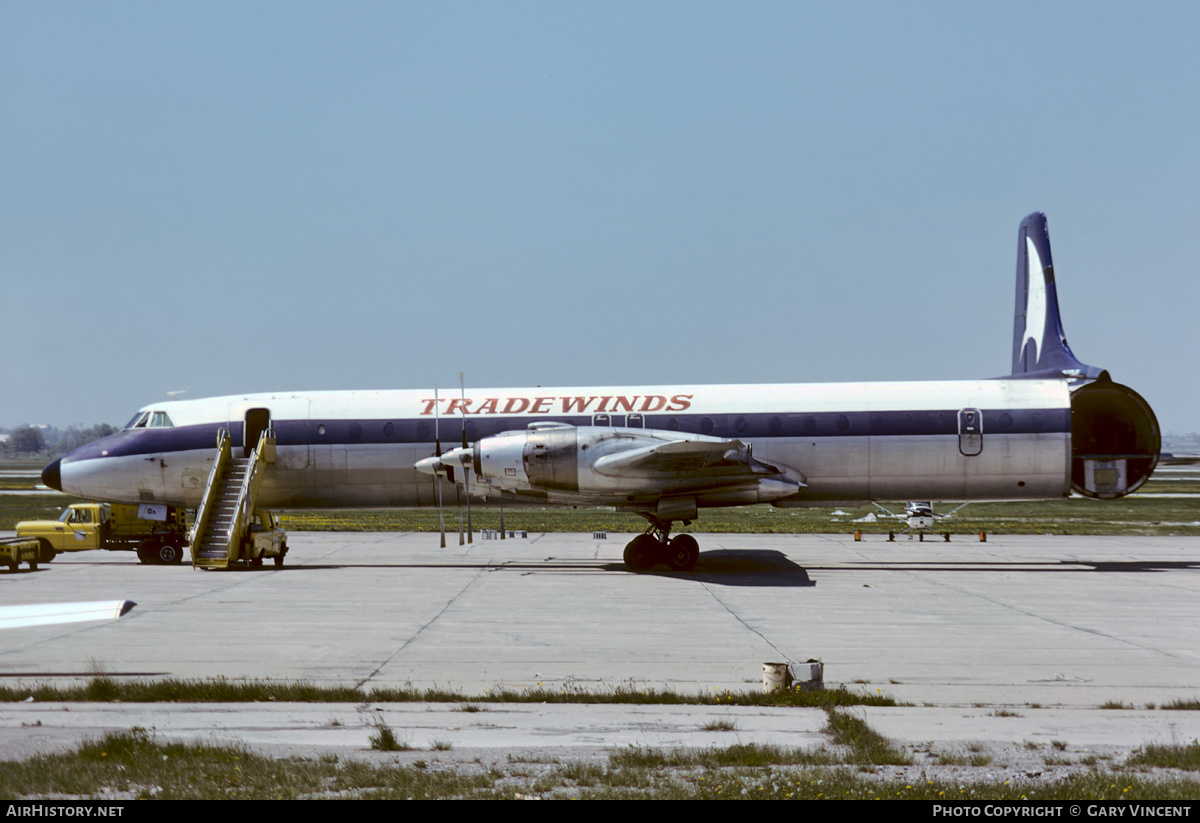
point(462, 385)
point(441, 519)
point(437, 445)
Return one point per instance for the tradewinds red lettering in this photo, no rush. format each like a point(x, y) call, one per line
point(570, 404)
point(681, 402)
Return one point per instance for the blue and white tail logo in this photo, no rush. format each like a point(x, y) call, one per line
point(1039, 344)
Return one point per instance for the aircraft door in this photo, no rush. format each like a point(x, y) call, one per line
point(256, 422)
point(970, 432)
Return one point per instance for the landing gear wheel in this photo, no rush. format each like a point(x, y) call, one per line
point(682, 553)
point(641, 553)
point(169, 554)
point(46, 552)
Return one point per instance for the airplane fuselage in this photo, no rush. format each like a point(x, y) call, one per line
point(961, 440)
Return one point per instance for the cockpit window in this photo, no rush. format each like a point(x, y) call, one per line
point(151, 420)
point(138, 421)
point(161, 420)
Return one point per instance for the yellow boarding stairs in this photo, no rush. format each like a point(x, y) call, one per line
point(228, 503)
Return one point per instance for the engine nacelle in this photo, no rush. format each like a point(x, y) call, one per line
point(625, 463)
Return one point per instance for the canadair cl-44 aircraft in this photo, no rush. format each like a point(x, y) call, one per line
point(1053, 427)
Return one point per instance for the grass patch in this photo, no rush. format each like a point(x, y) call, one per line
point(868, 746)
point(384, 739)
point(135, 764)
point(1168, 757)
point(1183, 705)
point(107, 689)
point(747, 755)
point(719, 726)
point(1114, 704)
point(1130, 515)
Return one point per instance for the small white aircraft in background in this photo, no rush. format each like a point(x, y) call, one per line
point(48, 614)
point(919, 516)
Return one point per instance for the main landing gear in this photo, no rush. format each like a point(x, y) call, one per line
point(646, 551)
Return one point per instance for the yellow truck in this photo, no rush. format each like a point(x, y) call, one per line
point(157, 533)
point(264, 539)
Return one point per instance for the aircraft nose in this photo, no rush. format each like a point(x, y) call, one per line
point(52, 475)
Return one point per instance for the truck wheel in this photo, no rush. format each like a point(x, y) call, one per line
point(33, 565)
point(169, 554)
point(46, 552)
point(12, 567)
point(279, 557)
point(148, 553)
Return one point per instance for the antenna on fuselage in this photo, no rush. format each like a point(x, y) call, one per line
point(176, 393)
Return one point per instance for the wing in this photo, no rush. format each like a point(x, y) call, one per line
point(680, 457)
point(44, 614)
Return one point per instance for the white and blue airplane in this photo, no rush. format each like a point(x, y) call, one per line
point(1052, 427)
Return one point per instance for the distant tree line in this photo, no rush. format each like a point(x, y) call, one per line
point(28, 441)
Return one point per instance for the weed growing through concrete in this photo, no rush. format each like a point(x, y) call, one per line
point(384, 739)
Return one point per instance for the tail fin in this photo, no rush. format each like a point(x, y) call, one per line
point(1039, 345)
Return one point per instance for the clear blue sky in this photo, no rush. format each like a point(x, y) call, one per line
point(225, 197)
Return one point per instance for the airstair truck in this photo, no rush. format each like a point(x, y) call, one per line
point(230, 530)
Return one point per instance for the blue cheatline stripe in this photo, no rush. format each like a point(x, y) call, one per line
point(760, 426)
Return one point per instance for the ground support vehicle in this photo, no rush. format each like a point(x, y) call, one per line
point(157, 533)
point(17, 550)
point(230, 530)
point(263, 539)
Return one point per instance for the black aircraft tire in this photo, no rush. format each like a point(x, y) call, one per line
point(642, 553)
point(682, 553)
